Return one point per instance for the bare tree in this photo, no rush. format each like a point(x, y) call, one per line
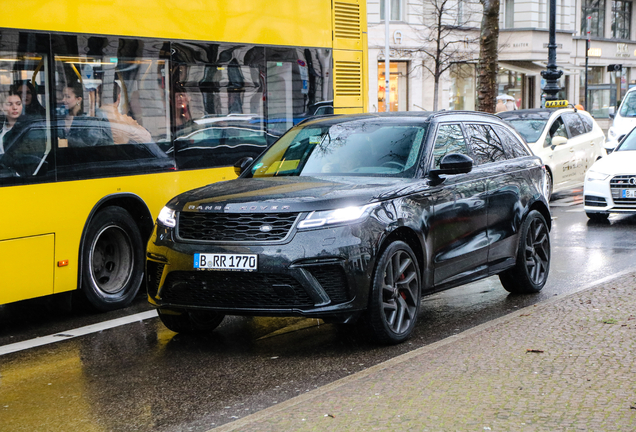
point(488, 57)
point(446, 39)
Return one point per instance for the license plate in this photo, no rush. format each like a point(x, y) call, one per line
point(628, 193)
point(243, 262)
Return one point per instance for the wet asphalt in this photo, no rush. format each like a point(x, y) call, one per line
point(143, 377)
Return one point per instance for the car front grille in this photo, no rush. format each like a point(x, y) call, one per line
point(237, 227)
point(333, 280)
point(154, 270)
point(617, 184)
point(234, 290)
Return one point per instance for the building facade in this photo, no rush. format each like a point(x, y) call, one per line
point(523, 52)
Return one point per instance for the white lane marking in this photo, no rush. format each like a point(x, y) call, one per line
point(81, 331)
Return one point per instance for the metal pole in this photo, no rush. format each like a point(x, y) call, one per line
point(552, 74)
point(587, 51)
point(387, 66)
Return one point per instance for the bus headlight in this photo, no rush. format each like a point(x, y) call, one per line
point(167, 217)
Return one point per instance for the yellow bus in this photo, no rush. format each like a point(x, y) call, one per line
point(111, 108)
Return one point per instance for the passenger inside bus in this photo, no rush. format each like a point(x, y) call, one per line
point(30, 102)
point(12, 113)
point(79, 130)
point(125, 129)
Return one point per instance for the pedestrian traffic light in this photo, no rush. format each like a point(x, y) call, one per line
point(614, 68)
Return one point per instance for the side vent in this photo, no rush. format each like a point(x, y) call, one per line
point(348, 79)
point(347, 20)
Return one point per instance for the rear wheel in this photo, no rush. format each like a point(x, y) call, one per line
point(112, 260)
point(530, 272)
point(190, 321)
point(395, 295)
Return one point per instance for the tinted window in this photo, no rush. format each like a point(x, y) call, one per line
point(575, 124)
point(449, 139)
point(511, 144)
point(485, 145)
point(556, 129)
point(588, 122)
point(529, 129)
point(628, 107)
point(111, 106)
point(25, 143)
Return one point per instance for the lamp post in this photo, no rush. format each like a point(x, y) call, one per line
point(552, 74)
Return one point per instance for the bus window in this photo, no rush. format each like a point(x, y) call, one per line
point(25, 142)
point(111, 107)
point(297, 80)
point(218, 104)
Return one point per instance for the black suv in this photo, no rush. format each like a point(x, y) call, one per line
point(355, 217)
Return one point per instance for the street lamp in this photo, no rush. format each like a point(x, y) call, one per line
point(552, 74)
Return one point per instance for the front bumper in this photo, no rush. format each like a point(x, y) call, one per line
point(321, 273)
point(604, 197)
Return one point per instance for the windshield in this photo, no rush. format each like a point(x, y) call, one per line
point(530, 129)
point(628, 143)
point(355, 148)
point(628, 107)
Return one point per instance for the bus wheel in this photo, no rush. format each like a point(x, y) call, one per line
point(112, 260)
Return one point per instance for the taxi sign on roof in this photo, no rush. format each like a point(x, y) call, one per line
point(557, 104)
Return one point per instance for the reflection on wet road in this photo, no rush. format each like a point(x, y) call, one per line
point(143, 377)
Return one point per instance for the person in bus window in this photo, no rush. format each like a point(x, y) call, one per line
point(125, 129)
point(79, 130)
point(12, 112)
point(30, 102)
point(183, 117)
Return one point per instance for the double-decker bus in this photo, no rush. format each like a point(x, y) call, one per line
point(111, 108)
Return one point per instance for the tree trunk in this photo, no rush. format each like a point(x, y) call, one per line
point(488, 56)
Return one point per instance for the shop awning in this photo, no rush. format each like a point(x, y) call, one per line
point(566, 67)
point(525, 67)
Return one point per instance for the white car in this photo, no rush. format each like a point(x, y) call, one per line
point(624, 120)
point(610, 184)
point(567, 140)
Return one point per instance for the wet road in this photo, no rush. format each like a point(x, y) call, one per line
point(143, 377)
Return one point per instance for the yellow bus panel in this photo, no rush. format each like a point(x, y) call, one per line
point(26, 267)
point(272, 22)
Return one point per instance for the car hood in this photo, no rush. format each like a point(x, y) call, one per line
point(622, 125)
point(621, 162)
point(293, 194)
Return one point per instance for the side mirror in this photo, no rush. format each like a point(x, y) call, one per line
point(611, 111)
point(454, 163)
point(558, 140)
point(242, 164)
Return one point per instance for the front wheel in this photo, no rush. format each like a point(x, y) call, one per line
point(112, 260)
point(190, 321)
point(395, 295)
point(530, 272)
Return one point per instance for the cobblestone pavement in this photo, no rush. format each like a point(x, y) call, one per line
point(563, 365)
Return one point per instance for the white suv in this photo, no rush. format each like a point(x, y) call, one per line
point(624, 120)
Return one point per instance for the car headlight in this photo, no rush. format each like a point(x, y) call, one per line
point(167, 217)
point(596, 176)
point(342, 215)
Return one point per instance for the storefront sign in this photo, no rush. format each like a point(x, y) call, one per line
point(594, 52)
point(396, 53)
point(622, 50)
point(559, 46)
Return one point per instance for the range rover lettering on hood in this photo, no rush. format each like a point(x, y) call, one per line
point(234, 208)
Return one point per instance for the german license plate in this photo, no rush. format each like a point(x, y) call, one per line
point(243, 262)
point(628, 193)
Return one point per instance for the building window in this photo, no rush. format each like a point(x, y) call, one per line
point(509, 14)
point(396, 10)
point(621, 18)
point(596, 10)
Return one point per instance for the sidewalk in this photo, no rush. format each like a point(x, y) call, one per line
point(568, 364)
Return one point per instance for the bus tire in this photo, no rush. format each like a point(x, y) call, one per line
point(112, 260)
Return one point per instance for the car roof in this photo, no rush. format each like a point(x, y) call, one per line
point(426, 116)
point(533, 114)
